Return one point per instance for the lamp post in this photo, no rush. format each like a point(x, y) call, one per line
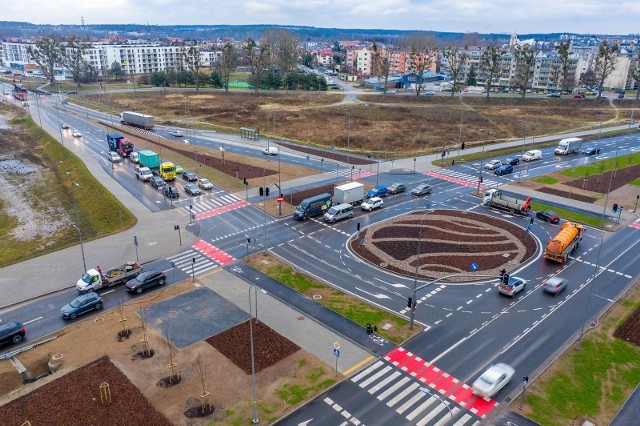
point(77, 226)
point(593, 277)
point(525, 133)
point(444, 152)
point(264, 209)
point(428, 392)
point(415, 278)
point(253, 368)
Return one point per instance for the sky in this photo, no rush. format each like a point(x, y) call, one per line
point(483, 16)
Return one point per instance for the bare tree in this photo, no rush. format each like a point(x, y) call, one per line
point(193, 61)
point(169, 350)
point(381, 65)
point(490, 66)
point(72, 58)
point(456, 59)
point(605, 63)
point(634, 72)
point(566, 78)
point(258, 59)
point(201, 372)
point(423, 50)
point(47, 53)
point(227, 63)
point(525, 58)
point(283, 49)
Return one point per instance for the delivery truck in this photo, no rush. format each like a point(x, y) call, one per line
point(94, 279)
point(351, 193)
point(495, 198)
point(136, 119)
point(149, 159)
point(565, 242)
point(119, 144)
point(312, 206)
point(569, 146)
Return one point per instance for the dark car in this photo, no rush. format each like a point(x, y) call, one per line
point(514, 161)
point(396, 188)
point(189, 176)
point(11, 331)
point(170, 191)
point(72, 92)
point(591, 150)
point(378, 191)
point(64, 125)
point(145, 280)
point(81, 304)
point(548, 216)
point(505, 169)
point(192, 189)
point(422, 189)
point(157, 182)
point(553, 95)
point(554, 285)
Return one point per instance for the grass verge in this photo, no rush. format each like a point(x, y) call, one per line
point(391, 327)
point(569, 215)
point(592, 383)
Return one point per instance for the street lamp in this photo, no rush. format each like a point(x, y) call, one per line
point(264, 208)
point(428, 392)
point(525, 133)
point(84, 263)
point(593, 277)
point(415, 278)
point(77, 226)
point(253, 368)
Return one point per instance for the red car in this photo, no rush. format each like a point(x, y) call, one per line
point(579, 96)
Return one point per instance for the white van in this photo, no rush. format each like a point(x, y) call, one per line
point(134, 157)
point(338, 212)
point(534, 154)
point(272, 150)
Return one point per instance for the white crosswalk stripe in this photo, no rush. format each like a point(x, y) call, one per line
point(486, 181)
point(202, 204)
point(184, 262)
point(402, 392)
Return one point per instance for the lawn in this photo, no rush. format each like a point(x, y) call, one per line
point(594, 221)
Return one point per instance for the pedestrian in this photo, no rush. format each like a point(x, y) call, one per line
point(99, 270)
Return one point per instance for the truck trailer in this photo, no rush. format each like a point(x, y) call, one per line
point(565, 242)
point(94, 279)
point(351, 193)
point(569, 146)
point(495, 198)
point(119, 144)
point(136, 119)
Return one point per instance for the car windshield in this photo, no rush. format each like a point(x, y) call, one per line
point(332, 211)
point(87, 278)
point(205, 181)
point(74, 303)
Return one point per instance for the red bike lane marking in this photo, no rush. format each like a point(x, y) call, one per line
point(440, 381)
point(213, 252)
point(220, 210)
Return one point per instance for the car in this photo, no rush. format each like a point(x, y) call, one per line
point(553, 95)
point(146, 279)
point(548, 216)
point(391, 92)
point(579, 96)
point(176, 133)
point(272, 150)
point(192, 189)
point(505, 169)
point(601, 96)
point(81, 304)
point(64, 125)
point(422, 189)
point(72, 92)
point(514, 161)
point(157, 182)
point(429, 93)
point(11, 331)
point(513, 287)
point(591, 150)
point(179, 169)
point(554, 285)
point(170, 191)
point(372, 203)
point(396, 188)
point(590, 93)
point(378, 191)
point(620, 95)
point(493, 164)
point(76, 133)
point(114, 157)
point(144, 174)
point(205, 183)
point(492, 380)
point(189, 176)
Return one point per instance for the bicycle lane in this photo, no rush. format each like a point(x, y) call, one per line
point(350, 330)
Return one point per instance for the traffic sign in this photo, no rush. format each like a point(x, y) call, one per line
point(336, 345)
point(280, 199)
point(474, 266)
point(336, 352)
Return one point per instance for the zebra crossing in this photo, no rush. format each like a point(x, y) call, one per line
point(203, 205)
point(350, 173)
point(420, 392)
point(184, 262)
point(488, 180)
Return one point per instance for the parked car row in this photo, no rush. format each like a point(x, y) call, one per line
point(397, 188)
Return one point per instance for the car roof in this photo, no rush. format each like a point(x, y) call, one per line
point(10, 325)
point(555, 281)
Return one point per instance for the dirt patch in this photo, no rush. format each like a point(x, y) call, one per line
point(449, 242)
point(567, 194)
point(630, 330)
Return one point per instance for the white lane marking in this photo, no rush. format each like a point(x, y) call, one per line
point(30, 321)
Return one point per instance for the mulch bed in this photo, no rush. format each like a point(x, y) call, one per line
point(600, 183)
point(269, 347)
point(567, 194)
point(328, 154)
point(630, 330)
point(75, 398)
point(450, 241)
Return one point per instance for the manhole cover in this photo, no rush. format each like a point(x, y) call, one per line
point(98, 320)
point(172, 314)
point(204, 314)
point(384, 264)
point(317, 296)
point(300, 318)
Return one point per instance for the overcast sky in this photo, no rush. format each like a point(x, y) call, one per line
point(483, 16)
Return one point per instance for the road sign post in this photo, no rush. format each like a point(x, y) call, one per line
point(336, 353)
point(280, 199)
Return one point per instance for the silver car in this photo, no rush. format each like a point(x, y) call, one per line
point(492, 380)
point(372, 203)
point(493, 164)
point(515, 286)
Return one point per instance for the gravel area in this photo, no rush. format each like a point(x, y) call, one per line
point(449, 242)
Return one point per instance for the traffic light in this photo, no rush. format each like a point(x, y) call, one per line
point(505, 279)
point(480, 179)
point(244, 180)
point(530, 221)
point(502, 272)
point(462, 147)
point(261, 191)
point(615, 207)
point(453, 162)
point(409, 302)
point(266, 191)
point(369, 329)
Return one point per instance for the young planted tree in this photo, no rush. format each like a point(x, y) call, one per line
point(423, 51)
point(456, 59)
point(605, 63)
point(566, 78)
point(47, 53)
point(525, 58)
point(193, 61)
point(381, 66)
point(201, 372)
point(490, 66)
point(227, 63)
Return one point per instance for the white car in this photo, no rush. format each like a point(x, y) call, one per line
point(492, 380)
point(76, 133)
point(176, 133)
point(493, 164)
point(205, 183)
point(114, 157)
point(515, 286)
point(372, 203)
point(270, 151)
point(429, 93)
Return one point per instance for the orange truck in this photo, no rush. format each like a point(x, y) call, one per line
point(565, 242)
